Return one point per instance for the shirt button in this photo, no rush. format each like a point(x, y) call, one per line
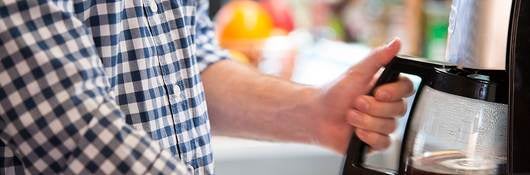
point(177, 89)
point(153, 6)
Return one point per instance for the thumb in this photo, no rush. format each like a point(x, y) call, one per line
point(364, 71)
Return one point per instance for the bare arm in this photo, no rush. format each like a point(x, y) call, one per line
point(245, 103)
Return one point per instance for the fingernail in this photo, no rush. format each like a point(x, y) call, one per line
point(362, 104)
point(391, 43)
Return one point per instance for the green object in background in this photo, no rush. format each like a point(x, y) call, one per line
point(337, 27)
point(436, 29)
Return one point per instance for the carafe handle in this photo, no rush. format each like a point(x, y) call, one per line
point(400, 64)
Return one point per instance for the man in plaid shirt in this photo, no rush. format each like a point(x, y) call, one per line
point(116, 87)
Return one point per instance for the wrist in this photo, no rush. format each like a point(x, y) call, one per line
point(309, 114)
point(324, 118)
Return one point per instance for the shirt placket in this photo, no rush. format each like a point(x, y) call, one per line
point(170, 74)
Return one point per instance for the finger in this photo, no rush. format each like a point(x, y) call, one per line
point(375, 140)
point(378, 58)
point(376, 77)
point(369, 105)
point(370, 123)
point(394, 91)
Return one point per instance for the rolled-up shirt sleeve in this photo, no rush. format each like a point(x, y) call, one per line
point(56, 113)
point(208, 49)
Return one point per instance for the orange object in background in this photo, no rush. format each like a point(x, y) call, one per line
point(239, 57)
point(243, 26)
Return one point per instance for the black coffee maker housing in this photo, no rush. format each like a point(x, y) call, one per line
point(517, 72)
point(519, 89)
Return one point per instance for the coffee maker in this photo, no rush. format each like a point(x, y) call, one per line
point(487, 76)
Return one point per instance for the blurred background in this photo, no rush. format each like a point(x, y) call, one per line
point(312, 42)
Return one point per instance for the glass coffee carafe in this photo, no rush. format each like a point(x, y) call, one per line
point(451, 134)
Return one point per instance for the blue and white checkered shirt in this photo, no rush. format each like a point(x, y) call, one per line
point(105, 87)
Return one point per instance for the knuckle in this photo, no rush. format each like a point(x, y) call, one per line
point(375, 52)
point(355, 73)
point(378, 51)
point(363, 120)
point(372, 106)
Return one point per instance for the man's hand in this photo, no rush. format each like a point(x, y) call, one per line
point(343, 107)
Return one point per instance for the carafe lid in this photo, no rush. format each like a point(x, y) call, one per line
point(487, 85)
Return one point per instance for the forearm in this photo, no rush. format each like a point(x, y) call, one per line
point(244, 103)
